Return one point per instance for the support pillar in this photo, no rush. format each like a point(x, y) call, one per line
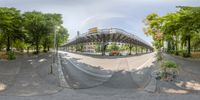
point(103, 48)
point(136, 51)
point(130, 49)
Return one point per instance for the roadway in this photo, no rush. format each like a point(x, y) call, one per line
point(130, 72)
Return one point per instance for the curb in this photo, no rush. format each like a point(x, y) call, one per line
point(63, 82)
point(151, 87)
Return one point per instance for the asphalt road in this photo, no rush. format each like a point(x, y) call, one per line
point(123, 76)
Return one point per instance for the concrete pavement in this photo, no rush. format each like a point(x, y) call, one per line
point(119, 87)
point(188, 80)
point(28, 76)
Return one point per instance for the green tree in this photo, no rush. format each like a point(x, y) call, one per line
point(52, 22)
point(34, 23)
point(10, 26)
point(179, 28)
point(153, 24)
point(190, 24)
point(113, 47)
point(62, 37)
point(170, 29)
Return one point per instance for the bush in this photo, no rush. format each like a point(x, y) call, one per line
point(185, 54)
point(11, 55)
point(169, 64)
point(159, 56)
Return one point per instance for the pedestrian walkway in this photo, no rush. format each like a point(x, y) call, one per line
point(28, 76)
point(189, 76)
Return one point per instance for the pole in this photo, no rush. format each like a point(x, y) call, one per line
point(54, 52)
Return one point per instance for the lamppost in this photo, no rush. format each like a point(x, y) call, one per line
point(55, 51)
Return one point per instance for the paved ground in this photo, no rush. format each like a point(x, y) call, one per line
point(27, 76)
point(119, 72)
point(189, 76)
point(113, 63)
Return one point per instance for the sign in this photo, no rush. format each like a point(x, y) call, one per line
point(93, 30)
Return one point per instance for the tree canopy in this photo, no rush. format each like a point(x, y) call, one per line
point(179, 30)
point(32, 29)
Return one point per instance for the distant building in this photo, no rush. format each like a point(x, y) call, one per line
point(89, 47)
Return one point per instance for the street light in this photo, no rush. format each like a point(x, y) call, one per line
point(55, 50)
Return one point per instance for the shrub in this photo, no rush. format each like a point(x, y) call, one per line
point(159, 56)
point(185, 54)
point(167, 65)
point(11, 55)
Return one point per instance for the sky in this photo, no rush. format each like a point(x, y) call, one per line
point(80, 15)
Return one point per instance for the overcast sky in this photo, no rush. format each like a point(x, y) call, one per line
point(80, 15)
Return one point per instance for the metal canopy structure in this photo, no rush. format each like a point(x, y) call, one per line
point(109, 35)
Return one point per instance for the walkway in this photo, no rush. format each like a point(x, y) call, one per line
point(189, 76)
point(28, 76)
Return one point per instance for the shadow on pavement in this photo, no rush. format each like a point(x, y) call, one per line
point(116, 82)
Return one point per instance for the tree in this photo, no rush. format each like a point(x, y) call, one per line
point(10, 25)
point(53, 21)
point(113, 47)
point(34, 23)
point(170, 29)
point(62, 37)
point(178, 28)
point(190, 22)
point(153, 24)
point(97, 47)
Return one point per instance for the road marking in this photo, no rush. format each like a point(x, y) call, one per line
point(140, 67)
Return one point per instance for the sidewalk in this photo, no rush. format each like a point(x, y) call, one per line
point(28, 76)
point(189, 76)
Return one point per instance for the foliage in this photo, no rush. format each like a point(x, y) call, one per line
point(113, 47)
point(159, 56)
point(11, 55)
point(62, 36)
point(179, 30)
point(10, 25)
point(169, 64)
point(30, 29)
point(97, 47)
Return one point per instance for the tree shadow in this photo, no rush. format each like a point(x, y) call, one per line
point(188, 80)
point(97, 80)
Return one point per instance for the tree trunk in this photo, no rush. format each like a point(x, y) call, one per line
point(27, 50)
point(48, 48)
point(8, 44)
point(130, 49)
point(176, 45)
point(44, 47)
point(37, 46)
point(189, 52)
point(136, 49)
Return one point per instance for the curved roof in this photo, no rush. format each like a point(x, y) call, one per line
point(109, 35)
